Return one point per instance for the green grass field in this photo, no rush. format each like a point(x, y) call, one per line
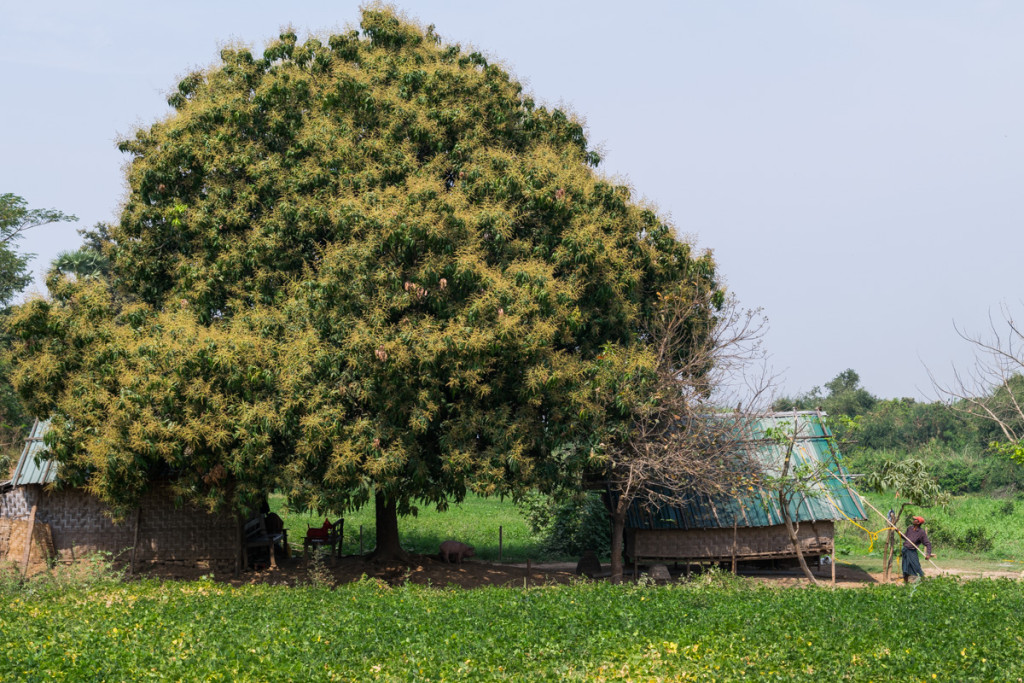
point(971, 528)
point(714, 629)
point(475, 521)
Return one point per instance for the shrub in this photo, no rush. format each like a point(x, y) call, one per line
point(96, 569)
point(317, 573)
point(972, 539)
point(568, 527)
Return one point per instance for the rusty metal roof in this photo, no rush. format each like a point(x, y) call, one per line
point(827, 498)
point(33, 467)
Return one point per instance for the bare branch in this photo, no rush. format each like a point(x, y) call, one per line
point(684, 438)
point(993, 387)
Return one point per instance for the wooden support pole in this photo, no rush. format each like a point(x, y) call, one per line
point(28, 540)
point(241, 557)
point(500, 542)
point(341, 538)
point(833, 561)
point(135, 541)
point(734, 548)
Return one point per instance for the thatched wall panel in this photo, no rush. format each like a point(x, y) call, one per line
point(748, 543)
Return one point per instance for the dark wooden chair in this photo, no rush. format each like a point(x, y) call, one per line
point(255, 535)
point(331, 535)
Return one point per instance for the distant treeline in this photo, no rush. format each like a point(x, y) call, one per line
point(955, 446)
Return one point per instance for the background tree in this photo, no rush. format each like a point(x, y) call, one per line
point(90, 259)
point(992, 390)
point(15, 218)
point(421, 265)
point(844, 396)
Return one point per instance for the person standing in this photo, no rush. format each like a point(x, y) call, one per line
point(915, 537)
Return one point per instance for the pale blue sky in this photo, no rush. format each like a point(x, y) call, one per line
point(855, 166)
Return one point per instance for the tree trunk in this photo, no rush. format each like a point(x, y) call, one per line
point(890, 553)
point(794, 538)
point(388, 548)
point(784, 496)
point(888, 556)
point(618, 517)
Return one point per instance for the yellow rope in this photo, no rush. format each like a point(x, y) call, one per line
point(879, 513)
point(872, 535)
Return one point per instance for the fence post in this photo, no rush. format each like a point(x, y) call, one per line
point(360, 539)
point(833, 560)
point(500, 544)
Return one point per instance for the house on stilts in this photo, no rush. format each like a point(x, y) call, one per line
point(709, 529)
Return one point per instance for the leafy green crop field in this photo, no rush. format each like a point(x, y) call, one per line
point(716, 629)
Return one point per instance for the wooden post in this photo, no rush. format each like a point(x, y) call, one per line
point(734, 547)
point(500, 539)
point(241, 557)
point(833, 561)
point(529, 568)
point(31, 533)
point(360, 539)
point(135, 541)
point(341, 538)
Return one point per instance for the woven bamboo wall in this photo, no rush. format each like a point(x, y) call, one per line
point(184, 535)
point(79, 525)
point(166, 534)
point(750, 543)
point(17, 503)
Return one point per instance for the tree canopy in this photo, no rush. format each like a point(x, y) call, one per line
point(15, 218)
point(365, 265)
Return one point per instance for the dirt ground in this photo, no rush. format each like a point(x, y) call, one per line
point(431, 571)
point(422, 569)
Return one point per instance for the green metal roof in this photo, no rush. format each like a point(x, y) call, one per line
point(829, 498)
point(33, 467)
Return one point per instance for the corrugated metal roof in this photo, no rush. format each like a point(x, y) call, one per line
point(32, 467)
point(830, 498)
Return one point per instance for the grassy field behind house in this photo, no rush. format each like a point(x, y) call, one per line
point(972, 528)
point(475, 521)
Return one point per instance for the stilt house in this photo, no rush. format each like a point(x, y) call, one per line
point(707, 529)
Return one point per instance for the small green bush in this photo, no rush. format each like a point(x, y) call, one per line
point(972, 539)
point(569, 527)
point(95, 569)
